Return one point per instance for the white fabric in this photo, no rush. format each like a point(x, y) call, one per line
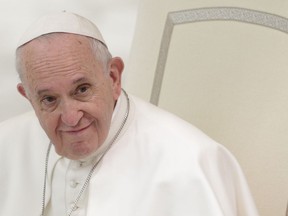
point(69, 176)
point(61, 22)
point(160, 166)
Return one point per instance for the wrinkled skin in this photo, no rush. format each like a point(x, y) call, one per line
point(73, 97)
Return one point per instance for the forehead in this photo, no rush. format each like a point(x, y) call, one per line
point(57, 50)
point(58, 43)
point(56, 55)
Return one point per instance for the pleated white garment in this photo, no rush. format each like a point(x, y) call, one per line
point(160, 165)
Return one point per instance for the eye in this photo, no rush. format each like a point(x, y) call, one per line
point(48, 101)
point(82, 90)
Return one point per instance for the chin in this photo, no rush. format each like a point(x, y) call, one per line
point(80, 153)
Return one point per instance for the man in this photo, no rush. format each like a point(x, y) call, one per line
point(106, 152)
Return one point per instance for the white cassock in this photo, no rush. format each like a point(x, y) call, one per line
point(159, 165)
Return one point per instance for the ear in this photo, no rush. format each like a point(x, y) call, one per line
point(116, 69)
point(21, 90)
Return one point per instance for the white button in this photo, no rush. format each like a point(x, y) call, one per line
point(82, 163)
point(75, 207)
point(73, 184)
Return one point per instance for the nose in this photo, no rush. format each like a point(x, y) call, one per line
point(71, 113)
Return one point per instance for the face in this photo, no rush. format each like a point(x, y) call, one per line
point(73, 97)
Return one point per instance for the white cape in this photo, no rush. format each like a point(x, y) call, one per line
point(159, 166)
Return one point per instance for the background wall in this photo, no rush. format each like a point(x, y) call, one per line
point(115, 19)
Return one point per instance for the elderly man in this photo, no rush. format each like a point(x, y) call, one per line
point(104, 152)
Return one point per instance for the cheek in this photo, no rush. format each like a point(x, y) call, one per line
point(48, 123)
point(111, 89)
point(116, 94)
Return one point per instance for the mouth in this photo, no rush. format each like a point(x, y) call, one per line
point(76, 131)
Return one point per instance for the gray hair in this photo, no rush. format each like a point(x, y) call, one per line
point(100, 51)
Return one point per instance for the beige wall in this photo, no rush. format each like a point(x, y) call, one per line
point(227, 77)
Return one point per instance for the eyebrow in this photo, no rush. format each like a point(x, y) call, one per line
point(42, 91)
point(80, 80)
point(76, 81)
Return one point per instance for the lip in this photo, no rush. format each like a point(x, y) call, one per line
point(77, 130)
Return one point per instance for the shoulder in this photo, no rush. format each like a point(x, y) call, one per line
point(180, 142)
point(19, 120)
point(167, 129)
point(152, 114)
point(22, 131)
point(166, 137)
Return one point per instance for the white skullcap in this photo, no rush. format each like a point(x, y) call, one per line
point(61, 22)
